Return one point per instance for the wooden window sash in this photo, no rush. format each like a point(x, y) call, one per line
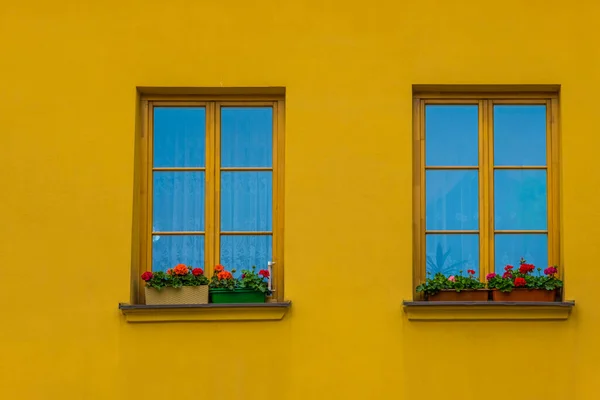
point(485, 102)
point(212, 170)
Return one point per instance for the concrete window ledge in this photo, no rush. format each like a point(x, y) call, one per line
point(486, 310)
point(205, 312)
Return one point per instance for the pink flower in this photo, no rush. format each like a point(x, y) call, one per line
point(147, 276)
point(451, 278)
point(490, 276)
point(550, 271)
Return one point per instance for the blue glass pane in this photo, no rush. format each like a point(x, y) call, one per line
point(246, 137)
point(509, 249)
point(450, 254)
point(520, 199)
point(452, 200)
point(520, 135)
point(246, 201)
point(178, 201)
point(179, 136)
point(451, 135)
point(168, 251)
point(243, 252)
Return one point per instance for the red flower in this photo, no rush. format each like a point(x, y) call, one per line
point(243, 276)
point(224, 275)
point(471, 272)
point(219, 268)
point(197, 271)
point(169, 271)
point(525, 268)
point(180, 269)
point(508, 268)
point(264, 273)
point(520, 282)
point(550, 271)
point(147, 276)
point(507, 275)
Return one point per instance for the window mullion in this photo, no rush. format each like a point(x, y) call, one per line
point(209, 234)
point(216, 249)
point(482, 178)
point(489, 205)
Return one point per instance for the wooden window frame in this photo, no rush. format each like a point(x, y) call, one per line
point(212, 232)
point(485, 102)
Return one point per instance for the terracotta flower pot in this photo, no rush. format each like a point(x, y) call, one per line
point(538, 295)
point(463, 295)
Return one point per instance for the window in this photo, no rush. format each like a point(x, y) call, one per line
point(486, 182)
point(212, 186)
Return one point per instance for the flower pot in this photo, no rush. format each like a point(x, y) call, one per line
point(463, 295)
point(224, 296)
point(537, 295)
point(182, 295)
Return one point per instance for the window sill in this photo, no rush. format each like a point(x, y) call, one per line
point(486, 310)
point(205, 312)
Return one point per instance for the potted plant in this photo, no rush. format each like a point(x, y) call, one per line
point(522, 285)
point(454, 288)
point(251, 287)
point(180, 285)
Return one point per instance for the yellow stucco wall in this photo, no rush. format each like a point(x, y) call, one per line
point(68, 77)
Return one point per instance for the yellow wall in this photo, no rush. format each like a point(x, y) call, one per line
point(68, 77)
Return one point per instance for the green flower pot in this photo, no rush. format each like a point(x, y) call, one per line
point(224, 296)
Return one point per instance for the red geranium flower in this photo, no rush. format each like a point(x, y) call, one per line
point(243, 276)
point(525, 268)
point(507, 274)
point(197, 271)
point(147, 276)
point(471, 272)
point(169, 271)
point(180, 269)
point(520, 282)
point(508, 267)
point(219, 268)
point(224, 275)
point(264, 273)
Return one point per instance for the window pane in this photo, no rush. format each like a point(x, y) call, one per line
point(451, 135)
point(509, 249)
point(178, 203)
point(179, 136)
point(520, 135)
point(520, 199)
point(168, 251)
point(246, 201)
point(243, 252)
point(450, 254)
point(452, 199)
point(246, 136)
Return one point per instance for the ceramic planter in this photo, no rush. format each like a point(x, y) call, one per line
point(537, 295)
point(182, 295)
point(225, 296)
point(463, 295)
